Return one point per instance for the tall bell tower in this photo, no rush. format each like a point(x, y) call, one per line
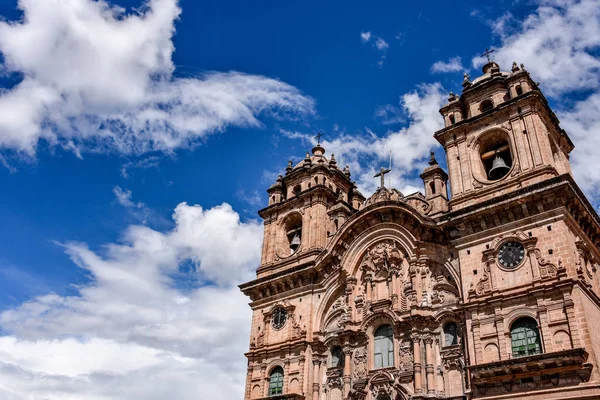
point(519, 225)
point(500, 135)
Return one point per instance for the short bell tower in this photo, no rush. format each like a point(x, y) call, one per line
point(306, 207)
point(500, 135)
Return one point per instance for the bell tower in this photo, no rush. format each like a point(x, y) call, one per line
point(306, 207)
point(500, 136)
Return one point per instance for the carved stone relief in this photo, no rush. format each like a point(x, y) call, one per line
point(360, 363)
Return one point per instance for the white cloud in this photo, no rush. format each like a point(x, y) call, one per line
point(138, 210)
point(389, 114)
point(559, 45)
point(378, 43)
point(96, 78)
point(452, 65)
point(124, 198)
point(132, 324)
point(555, 43)
point(381, 44)
point(410, 145)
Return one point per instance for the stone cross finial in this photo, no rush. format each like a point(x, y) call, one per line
point(381, 174)
point(488, 54)
point(318, 137)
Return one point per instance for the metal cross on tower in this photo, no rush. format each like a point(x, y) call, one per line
point(488, 54)
point(381, 174)
point(318, 137)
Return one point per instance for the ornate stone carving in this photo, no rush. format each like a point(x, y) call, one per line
point(334, 378)
point(547, 269)
point(258, 341)
point(298, 331)
point(383, 255)
point(406, 358)
point(485, 283)
point(360, 363)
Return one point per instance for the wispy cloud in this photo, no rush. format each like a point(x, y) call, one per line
point(137, 209)
point(452, 65)
point(410, 145)
point(120, 94)
point(144, 163)
point(251, 197)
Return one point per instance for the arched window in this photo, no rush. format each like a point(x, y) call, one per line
point(450, 334)
point(432, 187)
point(486, 105)
point(384, 347)
point(337, 357)
point(525, 337)
point(519, 90)
point(451, 117)
point(276, 382)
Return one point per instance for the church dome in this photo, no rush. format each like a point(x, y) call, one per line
point(316, 159)
point(489, 70)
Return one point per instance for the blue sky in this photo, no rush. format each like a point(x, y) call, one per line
point(111, 119)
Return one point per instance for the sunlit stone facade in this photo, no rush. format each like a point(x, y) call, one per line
point(487, 288)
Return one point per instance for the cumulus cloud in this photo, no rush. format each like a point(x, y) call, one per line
point(558, 44)
point(133, 323)
point(409, 146)
point(452, 65)
point(96, 78)
point(365, 36)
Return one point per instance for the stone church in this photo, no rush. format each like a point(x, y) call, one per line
point(484, 287)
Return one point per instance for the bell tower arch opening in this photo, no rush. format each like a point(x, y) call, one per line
point(292, 234)
point(495, 155)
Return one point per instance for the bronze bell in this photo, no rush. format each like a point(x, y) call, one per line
point(499, 168)
point(295, 243)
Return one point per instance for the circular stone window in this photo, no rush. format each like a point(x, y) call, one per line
point(511, 254)
point(279, 318)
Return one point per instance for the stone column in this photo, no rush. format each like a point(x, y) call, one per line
point(476, 325)
point(347, 370)
point(302, 368)
point(504, 353)
point(286, 375)
point(265, 379)
point(369, 288)
point(417, 363)
point(439, 381)
point(572, 319)
point(316, 378)
point(544, 329)
point(429, 366)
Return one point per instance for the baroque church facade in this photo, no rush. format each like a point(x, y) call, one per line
point(490, 293)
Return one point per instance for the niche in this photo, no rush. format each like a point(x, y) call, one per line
point(486, 105)
point(495, 155)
